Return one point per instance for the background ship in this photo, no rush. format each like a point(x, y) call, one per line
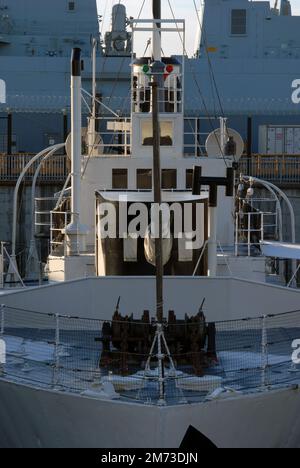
point(231, 69)
point(232, 65)
point(243, 69)
point(78, 376)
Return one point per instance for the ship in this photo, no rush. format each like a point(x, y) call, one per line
point(36, 112)
point(177, 340)
point(253, 39)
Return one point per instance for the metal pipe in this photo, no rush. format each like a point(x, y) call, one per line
point(94, 59)
point(17, 187)
point(75, 231)
point(273, 188)
point(268, 186)
point(156, 38)
point(33, 254)
point(33, 188)
point(76, 135)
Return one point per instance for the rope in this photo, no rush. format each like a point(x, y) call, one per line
point(198, 87)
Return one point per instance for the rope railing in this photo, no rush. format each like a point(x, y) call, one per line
point(69, 353)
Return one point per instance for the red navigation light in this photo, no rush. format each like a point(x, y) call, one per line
point(170, 68)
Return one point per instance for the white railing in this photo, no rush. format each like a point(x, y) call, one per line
point(115, 137)
point(251, 229)
point(11, 166)
point(169, 97)
point(59, 220)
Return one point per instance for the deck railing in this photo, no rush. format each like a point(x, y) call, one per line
point(71, 354)
point(11, 166)
point(284, 170)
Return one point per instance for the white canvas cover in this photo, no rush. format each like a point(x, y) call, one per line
point(281, 250)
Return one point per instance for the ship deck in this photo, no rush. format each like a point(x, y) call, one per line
point(250, 360)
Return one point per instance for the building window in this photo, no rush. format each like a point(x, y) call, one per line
point(120, 179)
point(166, 133)
point(144, 179)
point(71, 6)
point(239, 22)
point(169, 179)
point(189, 178)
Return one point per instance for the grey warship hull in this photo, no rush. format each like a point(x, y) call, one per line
point(41, 418)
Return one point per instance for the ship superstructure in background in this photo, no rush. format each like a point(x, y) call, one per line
point(35, 44)
point(249, 60)
point(117, 151)
point(173, 358)
point(253, 51)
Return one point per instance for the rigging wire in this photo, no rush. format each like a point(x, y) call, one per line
point(211, 70)
point(198, 86)
point(114, 87)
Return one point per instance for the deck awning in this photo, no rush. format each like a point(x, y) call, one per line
point(281, 250)
point(140, 196)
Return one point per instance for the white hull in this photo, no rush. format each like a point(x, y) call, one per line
point(32, 417)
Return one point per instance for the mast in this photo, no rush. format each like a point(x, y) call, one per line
point(157, 202)
point(157, 86)
point(157, 83)
point(156, 39)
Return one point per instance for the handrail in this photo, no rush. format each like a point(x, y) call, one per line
point(11, 167)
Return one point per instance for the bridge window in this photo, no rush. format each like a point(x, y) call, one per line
point(238, 22)
point(71, 6)
point(189, 178)
point(144, 179)
point(169, 179)
point(166, 130)
point(120, 179)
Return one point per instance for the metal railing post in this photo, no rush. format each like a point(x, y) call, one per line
point(249, 234)
point(237, 234)
point(262, 229)
point(264, 351)
point(56, 352)
point(2, 266)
